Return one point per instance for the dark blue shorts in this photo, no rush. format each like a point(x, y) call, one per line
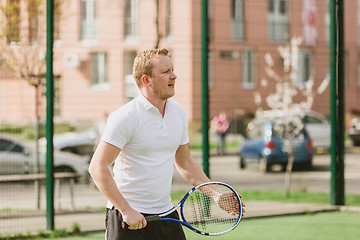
point(157, 230)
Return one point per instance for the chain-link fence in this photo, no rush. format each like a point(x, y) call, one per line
point(267, 58)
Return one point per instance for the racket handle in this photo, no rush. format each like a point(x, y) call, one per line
point(148, 219)
point(152, 218)
point(124, 224)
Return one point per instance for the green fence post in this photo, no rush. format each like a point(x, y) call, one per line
point(49, 115)
point(204, 85)
point(337, 101)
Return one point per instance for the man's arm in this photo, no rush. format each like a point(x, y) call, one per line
point(102, 159)
point(188, 168)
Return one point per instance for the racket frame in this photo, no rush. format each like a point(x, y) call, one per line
point(185, 223)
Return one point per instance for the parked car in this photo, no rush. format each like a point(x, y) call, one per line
point(264, 145)
point(354, 131)
point(81, 143)
point(17, 158)
point(317, 126)
point(319, 129)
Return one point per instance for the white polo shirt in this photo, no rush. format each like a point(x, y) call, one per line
point(144, 168)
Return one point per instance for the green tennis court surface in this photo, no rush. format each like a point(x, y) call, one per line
point(327, 226)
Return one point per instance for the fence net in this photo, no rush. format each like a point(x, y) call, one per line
point(269, 97)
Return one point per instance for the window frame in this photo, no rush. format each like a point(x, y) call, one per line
point(88, 21)
point(278, 23)
point(237, 21)
point(131, 20)
point(99, 71)
point(248, 69)
point(301, 79)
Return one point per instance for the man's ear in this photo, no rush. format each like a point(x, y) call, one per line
point(145, 80)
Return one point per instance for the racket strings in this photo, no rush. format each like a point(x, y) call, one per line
point(205, 215)
point(196, 206)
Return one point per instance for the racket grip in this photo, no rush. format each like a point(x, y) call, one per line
point(152, 218)
point(148, 219)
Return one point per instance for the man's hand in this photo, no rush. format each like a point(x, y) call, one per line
point(228, 202)
point(133, 220)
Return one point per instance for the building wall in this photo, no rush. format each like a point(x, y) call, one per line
point(79, 101)
point(227, 93)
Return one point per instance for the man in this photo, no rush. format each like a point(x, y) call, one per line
point(145, 138)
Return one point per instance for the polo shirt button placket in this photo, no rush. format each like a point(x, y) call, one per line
point(163, 127)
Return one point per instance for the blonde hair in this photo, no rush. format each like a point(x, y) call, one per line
point(143, 64)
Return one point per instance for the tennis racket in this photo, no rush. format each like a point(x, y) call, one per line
point(211, 208)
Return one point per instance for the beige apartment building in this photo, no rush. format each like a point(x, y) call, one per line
point(97, 40)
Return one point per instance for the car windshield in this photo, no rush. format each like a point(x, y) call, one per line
point(289, 130)
point(9, 146)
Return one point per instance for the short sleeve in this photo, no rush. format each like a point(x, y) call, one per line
point(118, 128)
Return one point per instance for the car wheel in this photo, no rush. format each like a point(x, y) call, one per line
point(264, 165)
point(242, 162)
point(356, 143)
point(308, 165)
point(69, 149)
point(64, 169)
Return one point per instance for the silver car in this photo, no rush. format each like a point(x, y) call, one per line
point(316, 125)
point(18, 158)
point(354, 131)
point(81, 143)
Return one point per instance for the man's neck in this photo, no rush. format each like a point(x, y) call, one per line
point(158, 103)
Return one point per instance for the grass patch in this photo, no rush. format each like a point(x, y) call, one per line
point(297, 197)
point(279, 196)
point(319, 226)
point(322, 226)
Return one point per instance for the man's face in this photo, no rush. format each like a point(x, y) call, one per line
point(163, 77)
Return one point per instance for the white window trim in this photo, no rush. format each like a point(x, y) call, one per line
point(133, 37)
point(89, 24)
point(300, 81)
point(102, 84)
point(275, 20)
point(238, 22)
point(252, 83)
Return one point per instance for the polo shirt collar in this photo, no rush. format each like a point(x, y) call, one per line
point(148, 105)
point(145, 102)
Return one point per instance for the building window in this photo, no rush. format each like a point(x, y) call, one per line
point(358, 21)
point(168, 18)
point(130, 87)
point(98, 69)
point(277, 21)
point(131, 18)
point(88, 20)
point(12, 13)
point(57, 100)
point(358, 70)
point(33, 9)
point(57, 18)
point(304, 71)
point(237, 20)
point(210, 24)
point(211, 70)
point(248, 69)
point(327, 22)
point(345, 68)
